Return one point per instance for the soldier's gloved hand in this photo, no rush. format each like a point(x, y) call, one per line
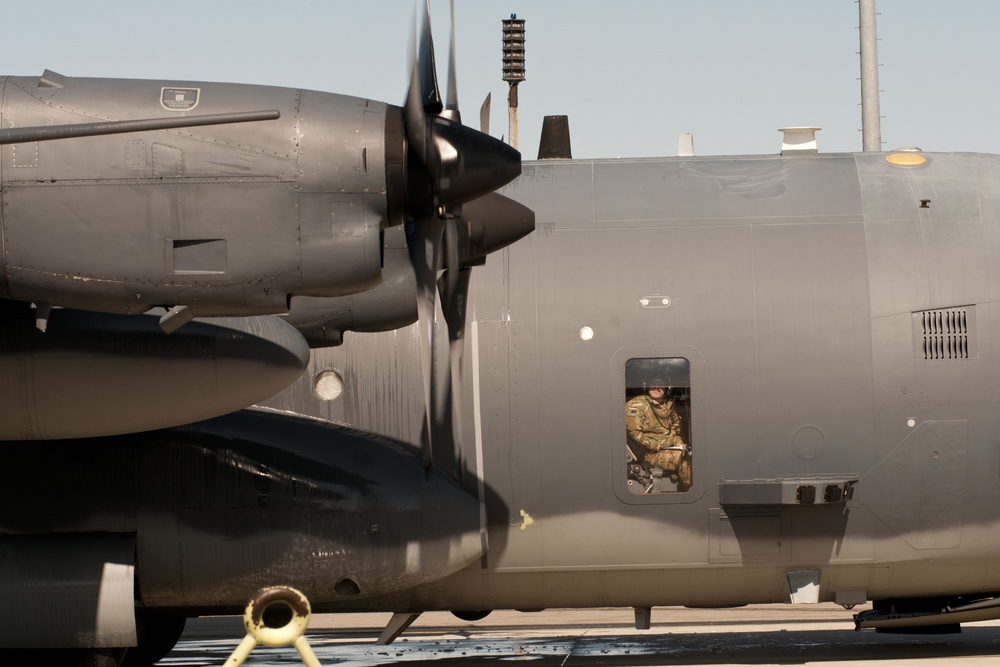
point(687, 449)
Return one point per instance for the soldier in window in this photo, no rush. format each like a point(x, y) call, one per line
point(655, 427)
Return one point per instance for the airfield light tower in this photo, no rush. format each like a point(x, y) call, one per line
point(513, 67)
point(871, 124)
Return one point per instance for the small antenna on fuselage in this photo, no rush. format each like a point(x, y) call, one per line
point(513, 67)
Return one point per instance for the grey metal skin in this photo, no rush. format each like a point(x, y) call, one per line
point(91, 374)
point(227, 220)
point(390, 305)
point(213, 512)
point(795, 288)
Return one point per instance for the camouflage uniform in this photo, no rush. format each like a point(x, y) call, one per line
point(654, 427)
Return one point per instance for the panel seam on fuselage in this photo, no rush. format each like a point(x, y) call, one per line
point(477, 422)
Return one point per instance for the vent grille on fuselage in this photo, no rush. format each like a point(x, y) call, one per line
point(948, 333)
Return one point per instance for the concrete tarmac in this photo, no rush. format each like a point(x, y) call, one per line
point(821, 635)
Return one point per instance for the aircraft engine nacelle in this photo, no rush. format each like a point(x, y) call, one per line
point(490, 223)
point(391, 305)
point(95, 374)
point(230, 219)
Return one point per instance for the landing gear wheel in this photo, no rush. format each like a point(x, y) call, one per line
point(94, 657)
point(157, 637)
point(472, 614)
point(64, 657)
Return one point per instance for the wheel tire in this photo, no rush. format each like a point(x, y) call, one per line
point(472, 614)
point(157, 637)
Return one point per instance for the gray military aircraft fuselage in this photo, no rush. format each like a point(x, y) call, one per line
point(826, 324)
point(821, 326)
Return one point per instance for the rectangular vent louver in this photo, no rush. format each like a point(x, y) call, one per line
point(948, 333)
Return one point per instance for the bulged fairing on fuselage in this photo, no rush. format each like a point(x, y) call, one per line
point(836, 313)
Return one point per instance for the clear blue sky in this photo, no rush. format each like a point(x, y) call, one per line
point(631, 74)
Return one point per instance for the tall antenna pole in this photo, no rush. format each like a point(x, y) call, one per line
point(513, 67)
point(871, 123)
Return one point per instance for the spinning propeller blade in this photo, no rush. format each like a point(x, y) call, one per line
point(449, 164)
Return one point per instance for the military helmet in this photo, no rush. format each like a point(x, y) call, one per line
point(656, 382)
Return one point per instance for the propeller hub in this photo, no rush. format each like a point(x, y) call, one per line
point(447, 163)
point(473, 163)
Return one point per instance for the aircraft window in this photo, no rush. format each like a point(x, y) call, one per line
point(328, 385)
point(658, 425)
